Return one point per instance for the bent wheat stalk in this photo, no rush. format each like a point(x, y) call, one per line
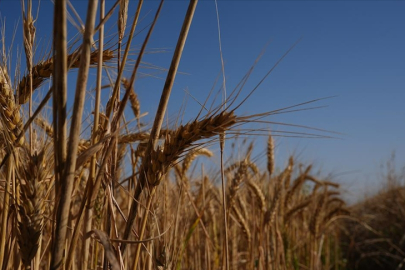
point(159, 116)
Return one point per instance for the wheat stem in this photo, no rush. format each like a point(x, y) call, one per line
point(68, 174)
point(143, 226)
point(5, 210)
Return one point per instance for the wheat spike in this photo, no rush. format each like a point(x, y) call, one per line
point(332, 184)
point(28, 33)
point(313, 225)
point(191, 156)
point(243, 223)
point(44, 125)
point(182, 138)
point(335, 212)
point(133, 99)
point(237, 180)
point(10, 112)
point(32, 174)
point(133, 137)
point(270, 155)
point(43, 70)
point(242, 204)
point(296, 186)
point(299, 207)
point(270, 214)
point(278, 193)
point(253, 167)
point(287, 178)
point(122, 18)
point(231, 167)
point(258, 193)
point(335, 200)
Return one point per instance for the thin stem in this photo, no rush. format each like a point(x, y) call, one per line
point(124, 58)
point(92, 176)
point(222, 146)
point(226, 241)
point(6, 203)
point(144, 221)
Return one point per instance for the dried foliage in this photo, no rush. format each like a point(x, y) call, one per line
point(375, 238)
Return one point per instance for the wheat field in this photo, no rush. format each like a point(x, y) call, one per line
point(100, 188)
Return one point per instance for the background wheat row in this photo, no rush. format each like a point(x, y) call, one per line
point(101, 191)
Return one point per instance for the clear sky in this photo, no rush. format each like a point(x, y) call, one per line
point(354, 50)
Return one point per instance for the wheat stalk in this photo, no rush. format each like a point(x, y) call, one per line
point(68, 174)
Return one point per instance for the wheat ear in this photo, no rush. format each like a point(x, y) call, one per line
point(296, 186)
point(193, 155)
point(278, 191)
point(257, 191)
point(44, 69)
point(313, 226)
point(9, 111)
point(32, 175)
point(270, 155)
point(237, 180)
point(242, 221)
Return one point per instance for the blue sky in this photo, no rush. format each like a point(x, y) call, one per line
point(351, 50)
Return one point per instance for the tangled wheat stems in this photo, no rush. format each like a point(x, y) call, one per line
point(85, 196)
